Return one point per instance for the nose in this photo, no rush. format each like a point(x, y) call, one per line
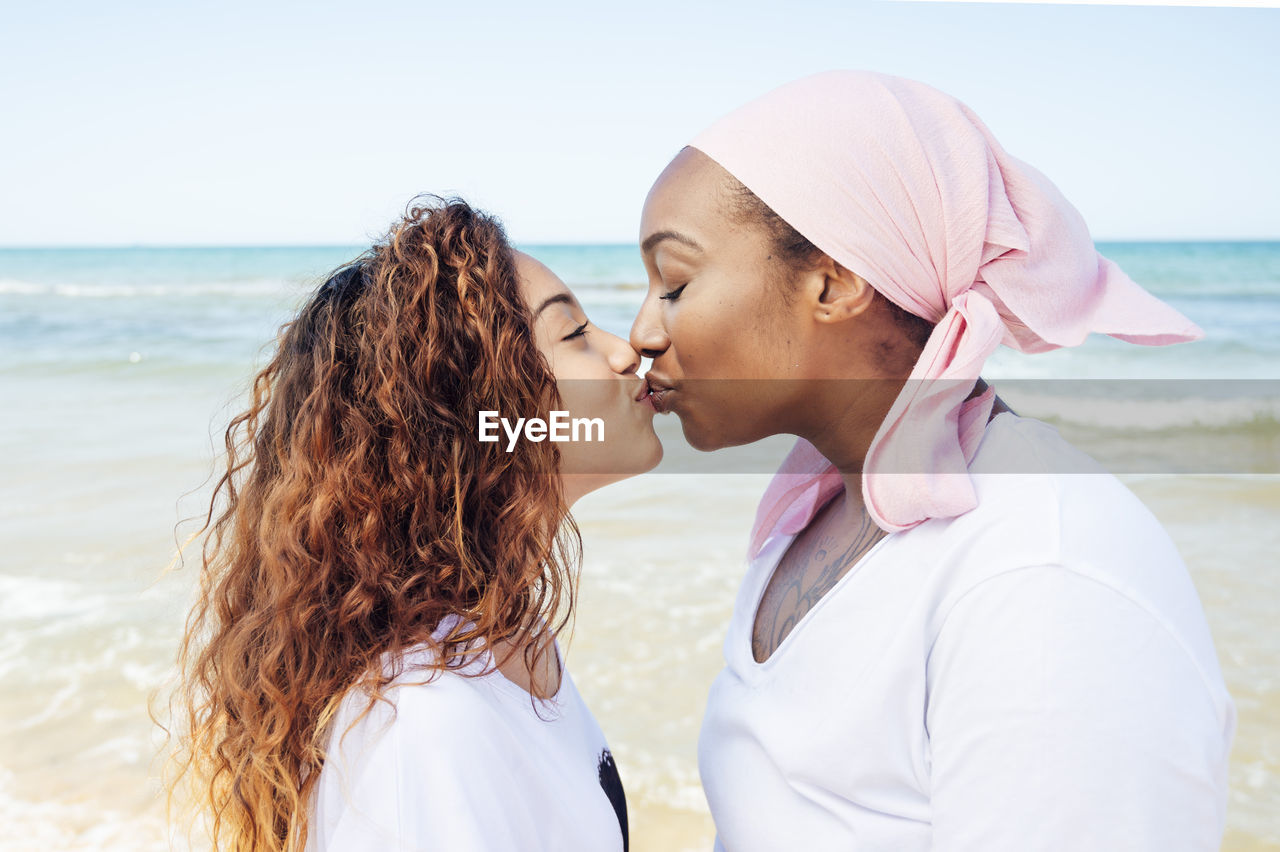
point(648, 335)
point(623, 360)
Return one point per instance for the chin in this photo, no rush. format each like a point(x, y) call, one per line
point(633, 456)
point(703, 439)
point(707, 436)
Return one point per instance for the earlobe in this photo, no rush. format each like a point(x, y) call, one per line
point(844, 294)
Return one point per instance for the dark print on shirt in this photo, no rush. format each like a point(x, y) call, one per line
point(612, 786)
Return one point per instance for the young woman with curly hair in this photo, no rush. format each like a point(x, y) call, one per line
point(371, 662)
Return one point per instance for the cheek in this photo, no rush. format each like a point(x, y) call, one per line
point(587, 397)
point(587, 386)
point(577, 364)
point(733, 332)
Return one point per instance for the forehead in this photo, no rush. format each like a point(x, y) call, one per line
point(691, 196)
point(537, 282)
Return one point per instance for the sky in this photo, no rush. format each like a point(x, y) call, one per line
point(238, 123)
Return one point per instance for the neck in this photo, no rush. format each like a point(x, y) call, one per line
point(543, 681)
point(842, 424)
point(841, 418)
point(575, 486)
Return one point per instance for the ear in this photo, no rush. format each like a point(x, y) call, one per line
point(840, 294)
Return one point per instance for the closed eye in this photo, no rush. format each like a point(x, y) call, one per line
point(674, 294)
point(580, 331)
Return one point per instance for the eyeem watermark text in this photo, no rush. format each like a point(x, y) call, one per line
point(559, 428)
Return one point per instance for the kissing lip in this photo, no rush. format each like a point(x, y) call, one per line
point(656, 383)
point(659, 389)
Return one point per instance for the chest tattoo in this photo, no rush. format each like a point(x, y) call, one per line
point(809, 569)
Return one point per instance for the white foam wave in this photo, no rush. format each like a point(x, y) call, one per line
point(42, 598)
point(1149, 415)
point(56, 825)
point(116, 290)
point(663, 779)
point(21, 288)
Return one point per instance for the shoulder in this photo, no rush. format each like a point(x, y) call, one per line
point(416, 765)
point(1025, 473)
point(1056, 536)
point(419, 707)
point(1042, 501)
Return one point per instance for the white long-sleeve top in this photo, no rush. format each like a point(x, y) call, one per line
point(1036, 674)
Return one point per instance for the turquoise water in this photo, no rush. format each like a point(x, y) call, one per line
point(214, 306)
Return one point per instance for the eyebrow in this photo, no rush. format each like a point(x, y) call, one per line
point(558, 298)
point(658, 236)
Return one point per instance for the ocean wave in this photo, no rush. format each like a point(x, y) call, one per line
point(593, 286)
point(41, 599)
point(1260, 414)
point(21, 288)
point(57, 825)
point(69, 290)
point(662, 779)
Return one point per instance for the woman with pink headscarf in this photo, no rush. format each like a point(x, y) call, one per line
point(955, 631)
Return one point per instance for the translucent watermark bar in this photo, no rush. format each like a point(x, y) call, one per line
point(1155, 426)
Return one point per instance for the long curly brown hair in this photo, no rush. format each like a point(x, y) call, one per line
point(357, 509)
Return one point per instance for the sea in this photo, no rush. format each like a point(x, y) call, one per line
point(119, 368)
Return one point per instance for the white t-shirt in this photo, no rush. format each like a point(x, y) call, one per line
point(1036, 674)
point(468, 764)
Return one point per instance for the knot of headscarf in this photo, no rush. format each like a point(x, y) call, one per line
point(906, 187)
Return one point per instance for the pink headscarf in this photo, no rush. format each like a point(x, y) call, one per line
point(906, 187)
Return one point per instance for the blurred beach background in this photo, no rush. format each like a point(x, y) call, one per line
point(120, 368)
point(151, 134)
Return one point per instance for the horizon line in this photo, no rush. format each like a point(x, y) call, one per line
point(516, 243)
